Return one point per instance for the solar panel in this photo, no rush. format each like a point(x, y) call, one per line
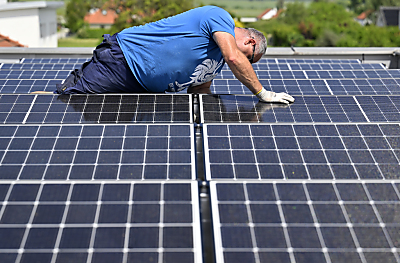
point(40, 66)
point(143, 108)
point(307, 61)
point(248, 109)
point(34, 74)
point(313, 86)
point(304, 151)
point(27, 85)
point(97, 152)
point(343, 66)
point(55, 60)
point(308, 222)
point(318, 74)
point(100, 222)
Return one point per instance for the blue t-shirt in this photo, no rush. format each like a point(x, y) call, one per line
point(176, 52)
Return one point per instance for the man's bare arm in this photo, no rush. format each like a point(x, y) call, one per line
point(203, 88)
point(237, 61)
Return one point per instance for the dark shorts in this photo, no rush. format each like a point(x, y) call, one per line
point(106, 72)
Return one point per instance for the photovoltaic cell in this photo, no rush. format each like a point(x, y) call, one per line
point(106, 108)
point(55, 60)
point(309, 222)
point(331, 151)
point(27, 85)
point(307, 61)
point(93, 222)
point(40, 66)
point(97, 152)
point(318, 74)
point(242, 108)
point(313, 86)
point(34, 74)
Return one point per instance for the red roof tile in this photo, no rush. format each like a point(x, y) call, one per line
point(263, 13)
point(99, 17)
point(8, 42)
point(364, 15)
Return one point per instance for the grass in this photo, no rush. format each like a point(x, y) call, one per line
point(77, 42)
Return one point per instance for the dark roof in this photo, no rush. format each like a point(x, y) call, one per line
point(392, 17)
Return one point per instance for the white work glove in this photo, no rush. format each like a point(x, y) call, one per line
point(270, 96)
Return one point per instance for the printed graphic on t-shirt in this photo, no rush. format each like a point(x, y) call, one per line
point(203, 73)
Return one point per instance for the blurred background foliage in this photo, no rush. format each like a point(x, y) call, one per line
point(314, 23)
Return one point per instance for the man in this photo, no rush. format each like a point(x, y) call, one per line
point(183, 51)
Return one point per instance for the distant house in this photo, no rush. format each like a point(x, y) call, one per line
point(32, 24)
point(363, 19)
point(268, 14)
point(8, 42)
point(265, 15)
point(389, 16)
point(100, 18)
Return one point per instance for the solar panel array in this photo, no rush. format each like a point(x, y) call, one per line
point(115, 177)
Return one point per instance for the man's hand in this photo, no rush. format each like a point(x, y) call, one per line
point(270, 96)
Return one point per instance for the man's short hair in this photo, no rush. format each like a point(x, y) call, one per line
point(261, 47)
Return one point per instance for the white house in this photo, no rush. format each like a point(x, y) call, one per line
point(33, 24)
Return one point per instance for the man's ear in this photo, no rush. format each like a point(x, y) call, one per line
point(250, 41)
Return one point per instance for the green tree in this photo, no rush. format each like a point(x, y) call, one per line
point(139, 12)
point(74, 14)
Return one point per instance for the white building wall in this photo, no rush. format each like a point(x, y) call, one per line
point(48, 28)
point(21, 25)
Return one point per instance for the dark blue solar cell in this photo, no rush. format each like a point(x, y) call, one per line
point(361, 156)
point(113, 213)
point(260, 130)
point(239, 130)
point(220, 157)
point(304, 130)
point(331, 143)
point(283, 130)
point(237, 257)
point(115, 192)
point(179, 157)
point(89, 143)
point(221, 171)
point(85, 192)
point(36, 257)
point(354, 143)
point(92, 131)
point(348, 130)
point(243, 157)
point(145, 213)
point(111, 237)
point(157, 143)
point(131, 171)
point(108, 157)
point(146, 192)
point(177, 237)
point(304, 237)
point(161, 130)
point(85, 157)
point(246, 171)
point(236, 237)
point(291, 192)
point(16, 214)
point(75, 238)
point(81, 214)
point(134, 143)
point(149, 237)
point(289, 156)
point(36, 157)
point(370, 130)
point(326, 130)
point(368, 171)
point(26, 131)
point(319, 171)
point(155, 172)
point(265, 213)
point(41, 238)
point(70, 131)
point(295, 171)
point(106, 172)
point(148, 257)
point(114, 130)
point(371, 237)
point(270, 172)
point(49, 214)
point(270, 237)
point(20, 144)
point(54, 192)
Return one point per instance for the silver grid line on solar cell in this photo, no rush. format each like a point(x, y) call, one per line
point(97, 152)
point(90, 219)
point(327, 210)
point(301, 151)
point(54, 60)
